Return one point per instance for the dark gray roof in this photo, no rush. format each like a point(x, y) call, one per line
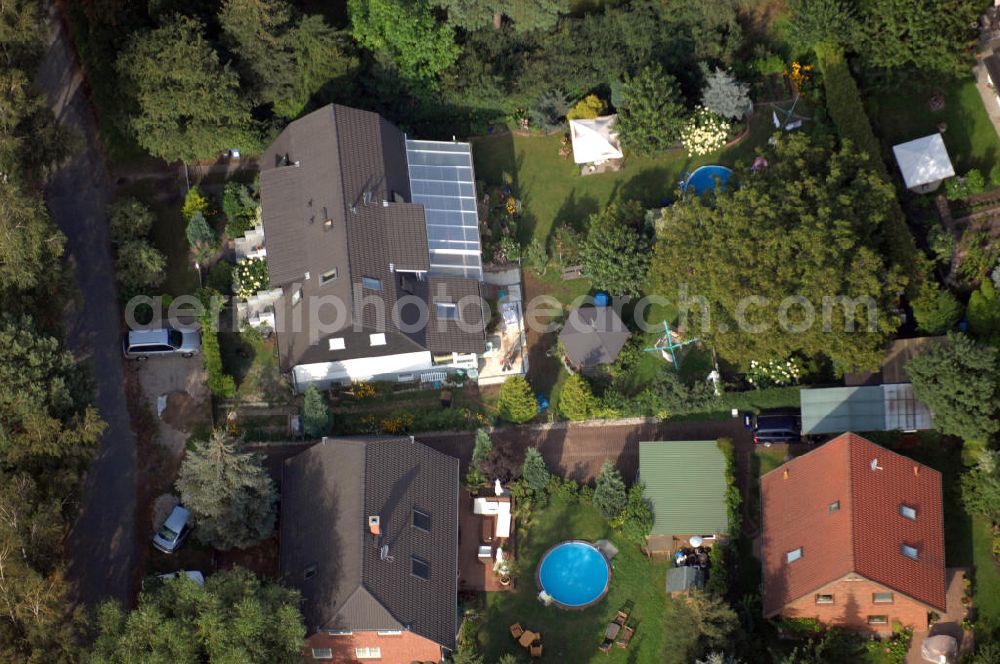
point(327, 494)
point(681, 579)
point(593, 335)
point(349, 167)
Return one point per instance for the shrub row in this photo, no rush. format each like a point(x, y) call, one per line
point(219, 383)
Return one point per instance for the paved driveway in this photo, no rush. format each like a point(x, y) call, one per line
point(101, 545)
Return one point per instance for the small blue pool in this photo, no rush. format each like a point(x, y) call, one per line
point(574, 573)
point(704, 179)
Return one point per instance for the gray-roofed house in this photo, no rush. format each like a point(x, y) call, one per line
point(685, 483)
point(372, 248)
point(369, 536)
point(593, 336)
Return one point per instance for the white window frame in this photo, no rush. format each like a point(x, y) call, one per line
point(339, 632)
point(793, 555)
point(368, 653)
point(878, 620)
point(390, 632)
point(824, 598)
point(876, 600)
point(908, 512)
point(377, 339)
point(438, 306)
point(337, 343)
point(911, 552)
point(296, 296)
point(322, 653)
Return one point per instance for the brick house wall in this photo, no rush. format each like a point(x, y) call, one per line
point(853, 602)
point(402, 648)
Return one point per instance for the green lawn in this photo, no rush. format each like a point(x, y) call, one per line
point(573, 636)
point(902, 114)
point(552, 190)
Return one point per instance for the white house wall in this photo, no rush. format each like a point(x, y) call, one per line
point(322, 374)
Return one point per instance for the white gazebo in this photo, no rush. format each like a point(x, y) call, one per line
point(595, 141)
point(924, 163)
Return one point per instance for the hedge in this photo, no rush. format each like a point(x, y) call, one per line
point(843, 103)
point(219, 382)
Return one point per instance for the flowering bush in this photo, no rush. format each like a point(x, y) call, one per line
point(705, 132)
point(799, 74)
point(363, 390)
point(250, 276)
point(773, 373)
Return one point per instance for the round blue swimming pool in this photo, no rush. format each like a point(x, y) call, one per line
point(704, 179)
point(574, 573)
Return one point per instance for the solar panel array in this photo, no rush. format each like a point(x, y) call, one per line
point(441, 179)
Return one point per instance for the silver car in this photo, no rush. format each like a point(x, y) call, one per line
point(143, 344)
point(173, 531)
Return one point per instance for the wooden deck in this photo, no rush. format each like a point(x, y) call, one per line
point(472, 574)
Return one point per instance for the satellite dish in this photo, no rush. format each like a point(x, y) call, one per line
point(874, 465)
point(696, 541)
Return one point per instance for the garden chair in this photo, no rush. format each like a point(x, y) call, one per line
point(536, 649)
point(605, 646)
point(516, 630)
point(625, 637)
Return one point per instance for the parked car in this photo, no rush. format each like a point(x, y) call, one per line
point(173, 531)
point(143, 344)
point(775, 428)
point(192, 575)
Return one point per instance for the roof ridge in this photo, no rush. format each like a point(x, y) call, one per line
point(849, 439)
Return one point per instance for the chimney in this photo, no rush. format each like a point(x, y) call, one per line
point(916, 471)
point(373, 526)
point(784, 474)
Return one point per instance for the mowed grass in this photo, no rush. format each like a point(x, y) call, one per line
point(902, 114)
point(573, 636)
point(552, 191)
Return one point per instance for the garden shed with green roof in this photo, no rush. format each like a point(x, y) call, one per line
point(685, 483)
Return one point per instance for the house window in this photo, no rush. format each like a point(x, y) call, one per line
point(910, 551)
point(420, 567)
point(878, 620)
point(909, 512)
point(327, 277)
point(368, 653)
point(377, 339)
point(309, 572)
point(446, 311)
point(421, 520)
point(793, 555)
point(322, 653)
point(337, 343)
point(824, 599)
point(371, 283)
point(834, 507)
point(881, 598)
point(296, 296)
point(389, 632)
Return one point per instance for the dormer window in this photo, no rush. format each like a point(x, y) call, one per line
point(793, 555)
point(371, 283)
point(910, 552)
point(834, 507)
point(377, 339)
point(908, 512)
point(446, 311)
point(327, 277)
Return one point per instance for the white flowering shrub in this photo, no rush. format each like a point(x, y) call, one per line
point(773, 373)
point(704, 133)
point(250, 276)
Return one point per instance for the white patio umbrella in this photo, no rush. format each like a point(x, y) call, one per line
point(497, 487)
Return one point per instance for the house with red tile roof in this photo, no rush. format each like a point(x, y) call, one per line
point(853, 535)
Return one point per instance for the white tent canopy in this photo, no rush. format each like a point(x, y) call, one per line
point(594, 140)
point(924, 161)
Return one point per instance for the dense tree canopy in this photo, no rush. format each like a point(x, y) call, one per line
point(188, 105)
point(517, 402)
point(286, 58)
point(236, 617)
point(616, 251)
point(931, 36)
point(652, 111)
point(230, 495)
point(534, 471)
point(960, 382)
point(406, 32)
point(609, 491)
point(29, 242)
point(749, 265)
point(526, 15)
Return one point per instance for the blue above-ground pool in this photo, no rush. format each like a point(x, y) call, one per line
point(575, 574)
point(704, 179)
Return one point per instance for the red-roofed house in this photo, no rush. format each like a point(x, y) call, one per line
point(853, 534)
